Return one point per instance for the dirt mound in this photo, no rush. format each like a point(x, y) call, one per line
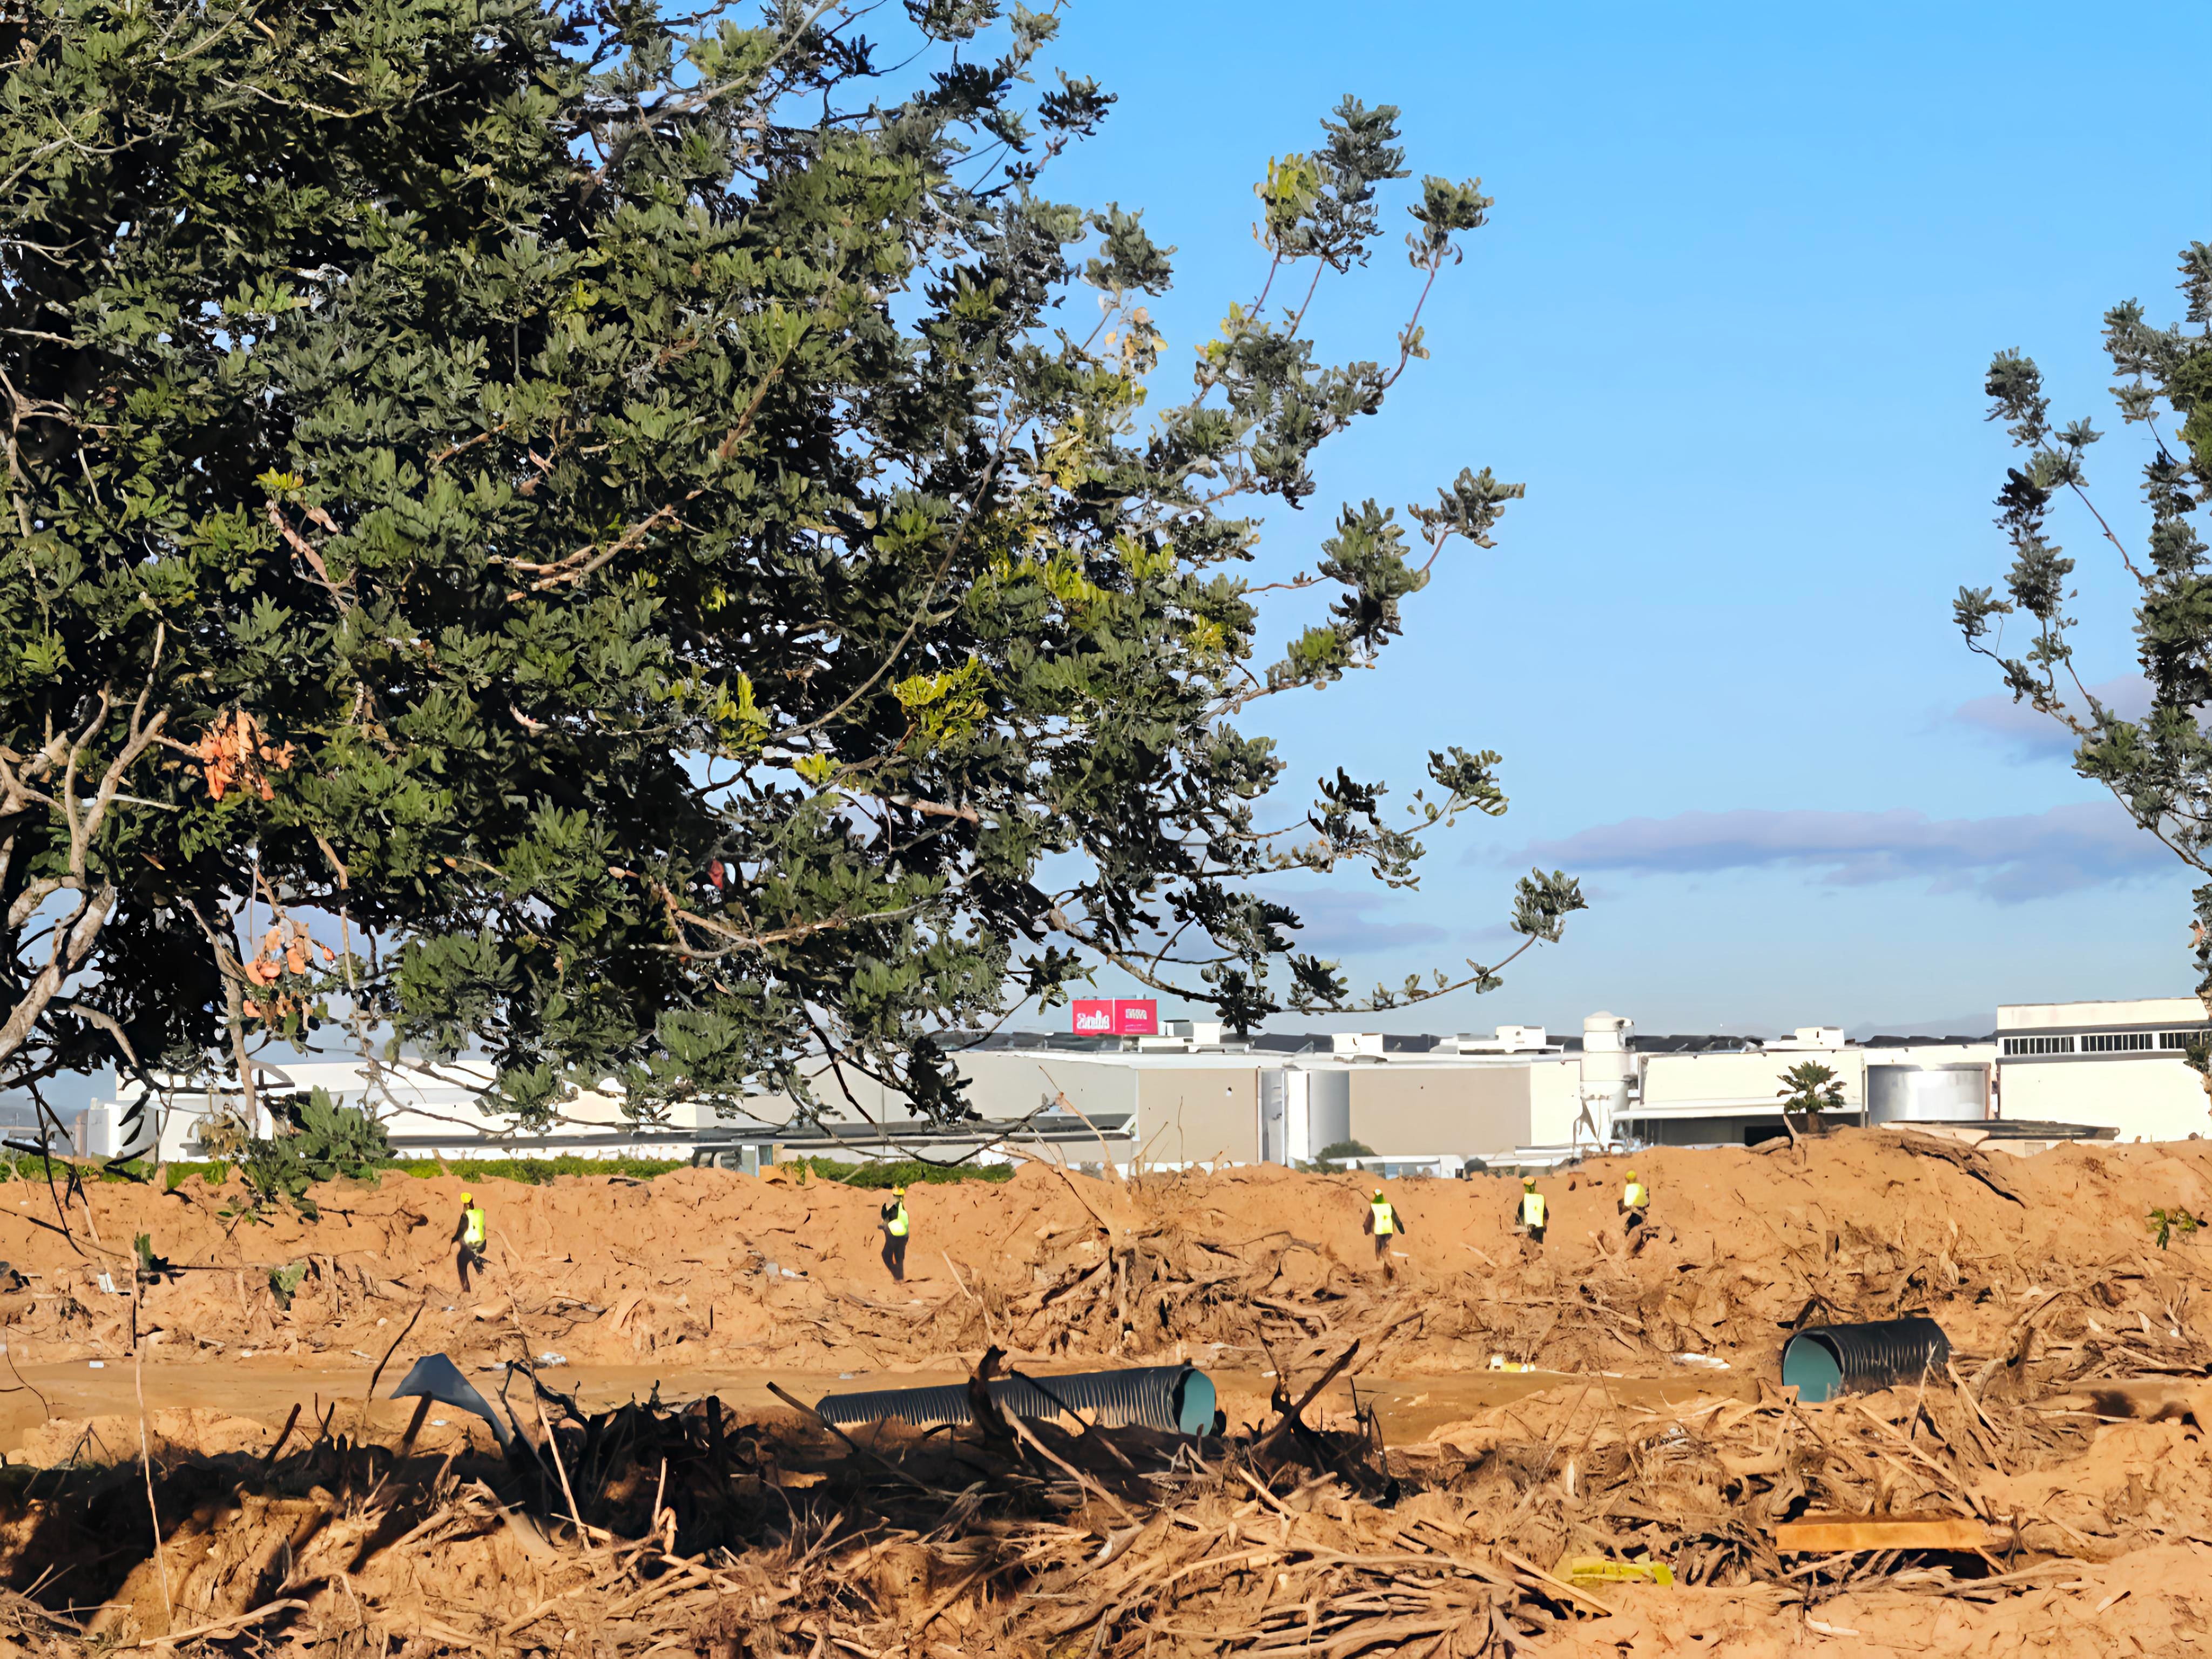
point(2071, 1514)
point(171, 1434)
point(706, 1266)
point(2065, 1434)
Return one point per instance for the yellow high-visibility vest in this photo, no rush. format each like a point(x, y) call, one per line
point(897, 1225)
point(1633, 1195)
point(1386, 1220)
point(1532, 1209)
point(472, 1226)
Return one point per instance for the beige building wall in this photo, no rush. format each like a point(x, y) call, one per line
point(1422, 1111)
point(1011, 1084)
point(2148, 1099)
point(1672, 1079)
point(1198, 1114)
point(1555, 1103)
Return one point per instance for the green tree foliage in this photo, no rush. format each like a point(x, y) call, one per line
point(315, 1141)
point(2159, 766)
point(1338, 1155)
point(622, 538)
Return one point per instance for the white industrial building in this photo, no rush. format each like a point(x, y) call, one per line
point(2050, 1072)
point(2119, 1065)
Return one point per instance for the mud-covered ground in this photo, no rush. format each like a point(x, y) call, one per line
point(1452, 1521)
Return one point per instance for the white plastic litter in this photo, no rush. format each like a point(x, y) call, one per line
point(1705, 1360)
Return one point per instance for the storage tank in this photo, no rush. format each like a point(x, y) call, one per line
point(1927, 1094)
point(1328, 1109)
point(1608, 1063)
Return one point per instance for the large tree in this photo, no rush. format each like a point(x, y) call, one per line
point(622, 538)
point(2157, 765)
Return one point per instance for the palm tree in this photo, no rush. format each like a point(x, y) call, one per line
point(1811, 1088)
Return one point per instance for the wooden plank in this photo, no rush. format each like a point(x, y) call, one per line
point(1830, 1535)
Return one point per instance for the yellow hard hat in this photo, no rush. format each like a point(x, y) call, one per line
point(1528, 1181)
point(1378, 1191)
point(898, 1192)
point(1631, 1174)
point(468, 1198)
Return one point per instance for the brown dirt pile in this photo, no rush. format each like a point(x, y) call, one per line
point(2053, 1251)
point(704, 1530)
point(708, 1535)
point(2072, 1512)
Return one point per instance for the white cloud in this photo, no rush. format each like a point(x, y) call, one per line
point(2038, 737)
point(2009, 860)
point(1336, 923)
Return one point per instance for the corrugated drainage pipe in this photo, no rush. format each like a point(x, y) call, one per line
point(1825, 1360)
point(1175, 1398)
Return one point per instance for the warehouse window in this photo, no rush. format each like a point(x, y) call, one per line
point(2115, 1043)
point(2179, 1039)
point(2039, 1045)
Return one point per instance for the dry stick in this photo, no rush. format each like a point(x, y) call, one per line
point(1060, 1098)
point(1090, 1429)
point(958, 1590)
point(988, 1332)
point(146, 1462)
point(1082, 1480)
point(283, 1435)
point(1060, 1170)
point(377, 1375)
point(561, 1464)
point(1298, 1411)
point(1561, 1584)
point(893, 1469)
point(223, 1626)
point(1959, 1383)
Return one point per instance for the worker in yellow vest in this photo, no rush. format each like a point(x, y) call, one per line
point(1384, 1222)
point(1634, 1201)
point(471, 1233)
point(896, 1226)
point(1533, 1214)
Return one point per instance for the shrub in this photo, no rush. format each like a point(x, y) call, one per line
point(322, 1142)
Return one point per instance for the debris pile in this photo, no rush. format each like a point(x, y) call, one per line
point(2054, 1256)
point(2046, 1482)
point(625, 1530)
point(1569, 1521)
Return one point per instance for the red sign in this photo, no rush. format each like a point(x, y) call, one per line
point(1119, 1017)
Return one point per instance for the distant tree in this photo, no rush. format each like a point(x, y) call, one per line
point(619, 538)
point(2158, 766)
point(1338, 1153)
point(1811, 1088)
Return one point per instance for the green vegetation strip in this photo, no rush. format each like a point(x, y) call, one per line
point(532, 1171)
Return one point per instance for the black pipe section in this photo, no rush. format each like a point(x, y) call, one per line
point(1825, 1360)
point(1174, 1398)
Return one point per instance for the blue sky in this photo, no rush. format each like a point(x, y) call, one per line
point(1728, 324)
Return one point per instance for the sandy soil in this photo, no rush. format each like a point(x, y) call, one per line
point(2042, 1271)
